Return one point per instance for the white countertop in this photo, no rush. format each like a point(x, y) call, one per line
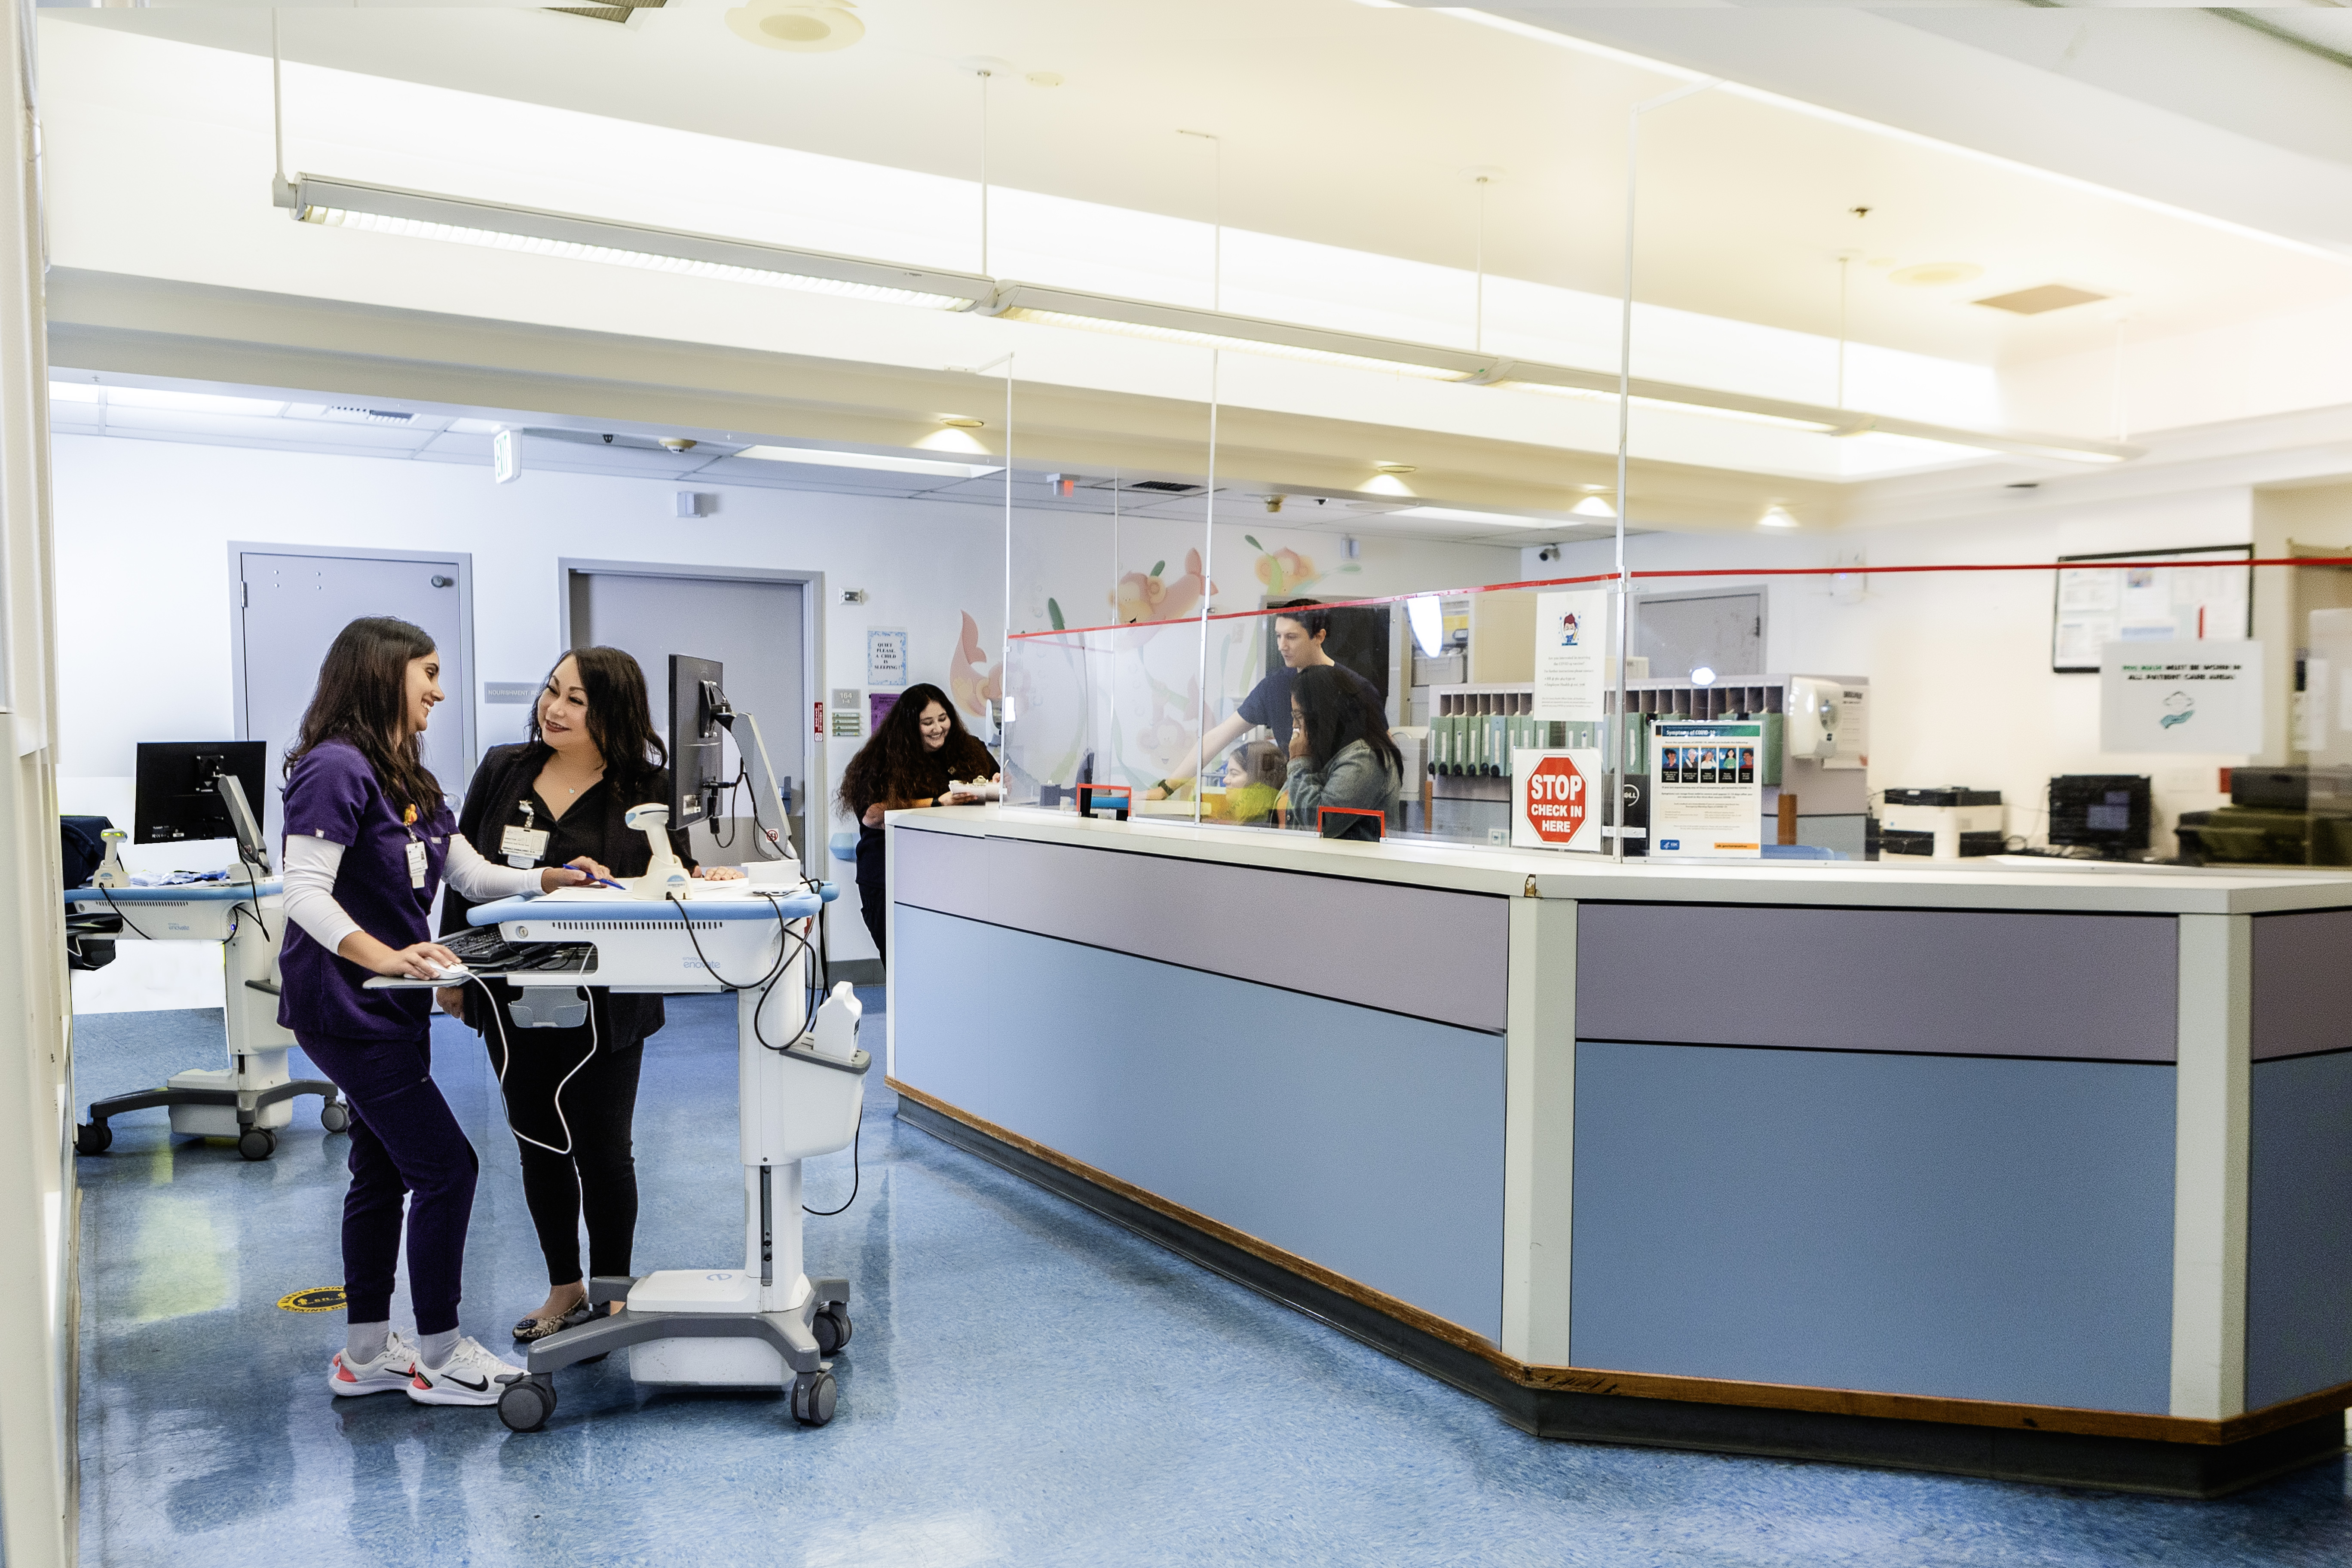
point(1999, 883)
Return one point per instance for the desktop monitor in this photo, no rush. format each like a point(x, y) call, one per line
point(698, 749)
point(2106, 812)
point(179, 793)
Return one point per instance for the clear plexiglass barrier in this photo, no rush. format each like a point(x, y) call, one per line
point(2181, 708)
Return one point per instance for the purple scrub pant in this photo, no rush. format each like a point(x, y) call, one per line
point(405, 1144)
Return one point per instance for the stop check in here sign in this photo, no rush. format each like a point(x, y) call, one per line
point(1555, 799)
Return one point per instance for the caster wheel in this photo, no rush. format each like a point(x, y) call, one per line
point(814, 1394)
point(334, 1116)
point(94, 1138)
point(831, 1327)
point(256, 1143)
point(527, 1404)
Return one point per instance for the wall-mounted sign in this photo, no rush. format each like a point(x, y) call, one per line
point(886, 657)
point(2189, 696)
point(1706, 800)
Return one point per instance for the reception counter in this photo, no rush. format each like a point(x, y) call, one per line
point(2035, 1171)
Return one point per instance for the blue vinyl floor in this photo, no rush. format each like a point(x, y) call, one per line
point(1028, 1384)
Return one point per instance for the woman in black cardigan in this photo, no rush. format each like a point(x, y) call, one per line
point(572, 1093)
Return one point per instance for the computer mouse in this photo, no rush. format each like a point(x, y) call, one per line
point(448, 970)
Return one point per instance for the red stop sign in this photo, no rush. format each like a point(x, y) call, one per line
point(1557, 795)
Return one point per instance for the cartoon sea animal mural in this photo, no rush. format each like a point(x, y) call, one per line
point(970, 679)
point(1284, 572)
point(1145, 596)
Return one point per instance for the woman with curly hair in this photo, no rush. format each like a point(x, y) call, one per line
point(918, 750)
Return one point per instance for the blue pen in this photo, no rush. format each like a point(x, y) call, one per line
point(608, 882)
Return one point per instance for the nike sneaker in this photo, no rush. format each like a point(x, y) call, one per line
point(392, 1369)
point(471, 1376)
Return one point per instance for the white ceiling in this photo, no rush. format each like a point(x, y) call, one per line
point(278, 420)
point(1352, 125)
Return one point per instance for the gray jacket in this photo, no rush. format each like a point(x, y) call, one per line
point(1355, 777)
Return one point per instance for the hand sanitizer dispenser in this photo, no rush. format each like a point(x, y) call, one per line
point(664, 872)
point(834, 1032)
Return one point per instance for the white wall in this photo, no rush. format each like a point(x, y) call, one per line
point(143, 529)
point(1961, 688)
point(143, 575)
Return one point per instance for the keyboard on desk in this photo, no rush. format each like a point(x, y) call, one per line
point(483, 951)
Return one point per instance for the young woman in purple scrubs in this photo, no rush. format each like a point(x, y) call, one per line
point(369, 841)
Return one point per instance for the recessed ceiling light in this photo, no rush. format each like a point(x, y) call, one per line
point(961, 422)
point(1935, 274)
point(799, 28)
point(1592, 506)
point(825, 459)
point(2043, 297)
point(1776, 516)
point(678, 443)
point(1396, 468)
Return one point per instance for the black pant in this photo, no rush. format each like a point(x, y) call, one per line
point(595, 1174)
point(872, 899)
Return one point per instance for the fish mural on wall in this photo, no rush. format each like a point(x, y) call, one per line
point(972, 680)
point(1146, 596)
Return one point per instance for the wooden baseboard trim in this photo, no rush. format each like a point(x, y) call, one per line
point(1577, 1380)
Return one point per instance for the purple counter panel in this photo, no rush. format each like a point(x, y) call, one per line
point(1420, 952)
point(2303, 983)
point(1942, 981)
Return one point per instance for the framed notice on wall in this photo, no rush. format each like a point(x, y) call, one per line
point(2209, 595)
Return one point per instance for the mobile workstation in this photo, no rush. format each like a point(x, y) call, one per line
point(2030, 1172)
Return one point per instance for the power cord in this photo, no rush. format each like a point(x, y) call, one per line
point(505, 1056)
point(126, 919)
point(855, 1174)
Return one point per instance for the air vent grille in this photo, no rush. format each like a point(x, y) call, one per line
point(372, 416)
point(2042, 299)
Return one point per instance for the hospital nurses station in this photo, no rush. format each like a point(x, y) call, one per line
point(963, 782)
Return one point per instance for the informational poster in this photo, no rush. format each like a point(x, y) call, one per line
point(886, 657)
point(1555, 799)
point(2209, 597)
point(1706, 802)
point(1571, 654)
point(878, 707)
point(2184, 696)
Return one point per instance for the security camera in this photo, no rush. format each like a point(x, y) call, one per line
point(1548, 552)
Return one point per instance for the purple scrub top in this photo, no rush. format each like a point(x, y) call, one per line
point(333, 794)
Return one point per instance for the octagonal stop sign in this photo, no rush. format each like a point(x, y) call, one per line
point(1558, 793)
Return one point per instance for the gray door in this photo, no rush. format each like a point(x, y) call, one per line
point(752, 626)
point(1678, 633)
point(291, 606)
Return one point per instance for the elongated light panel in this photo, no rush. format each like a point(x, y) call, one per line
point(1240, 345)
point(492, 240)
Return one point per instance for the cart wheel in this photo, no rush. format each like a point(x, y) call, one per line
point(93, 1138)
point(814, 1394)
point(831, 1327)
point(334, 1116)
point(527, 1404)
point(257, 1142)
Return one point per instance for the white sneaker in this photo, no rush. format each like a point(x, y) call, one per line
point(389, 1370)
point(471, 1376)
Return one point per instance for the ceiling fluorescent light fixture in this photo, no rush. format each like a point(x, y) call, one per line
point(1457, 514)
point(379, 209)
point(1593, 506)
point(828, 459)
point(1246, 334)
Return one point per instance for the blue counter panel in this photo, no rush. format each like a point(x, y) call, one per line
point(1967, 1227)
point(2299, 1228)
point(1366, 1142)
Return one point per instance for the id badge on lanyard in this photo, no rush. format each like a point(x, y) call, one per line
point(417, 862)
point(524, 847)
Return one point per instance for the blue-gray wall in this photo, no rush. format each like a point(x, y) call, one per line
point(1968, 1227)
point(1366, 1141)
point(2299, 1227)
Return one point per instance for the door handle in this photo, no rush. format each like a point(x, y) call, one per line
point(441, 581)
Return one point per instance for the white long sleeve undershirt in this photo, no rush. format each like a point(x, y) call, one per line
point(310, 879)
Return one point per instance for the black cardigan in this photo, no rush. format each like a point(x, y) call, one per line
point(504, 778)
